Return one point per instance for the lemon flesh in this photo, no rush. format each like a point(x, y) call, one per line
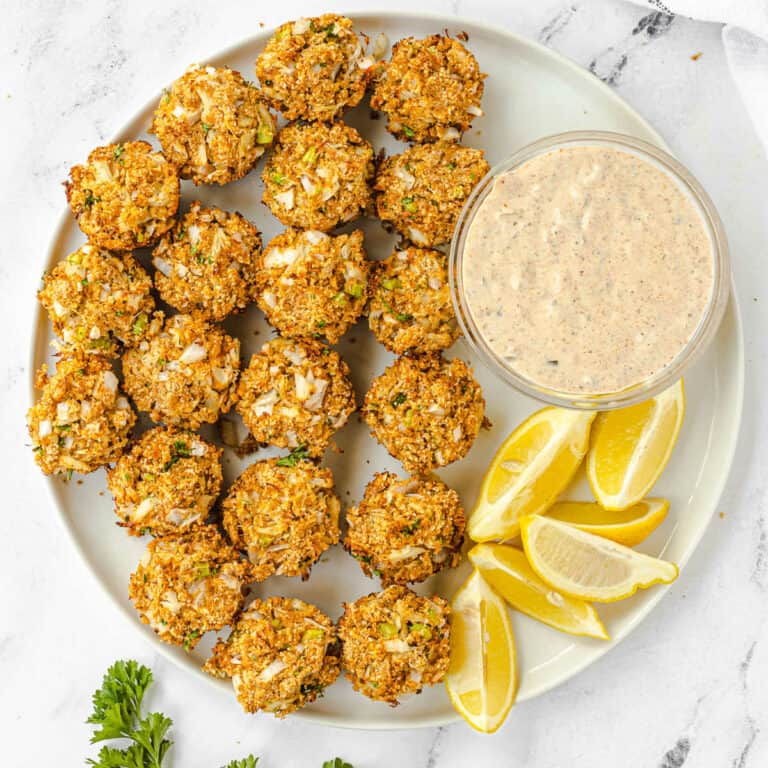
point(631, 446)
point(628, 527)
point(588, 567)
point(482, 677)
point(508, 572)
point(532, 467)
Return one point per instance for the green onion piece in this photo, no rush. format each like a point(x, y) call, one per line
point(408, 204)
point(387, 630)
point(398, 399)
point(408, 131)
point(278, 178)
point(356, 291)
point(313, 634)
point(340, 298)
point(264, 134)
point(391, 283)
point(141, 323)
point(422, 629)
point(310, 156)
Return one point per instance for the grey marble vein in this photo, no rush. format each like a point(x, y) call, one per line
point(676, 756)
point(557, 23)
point(610, 63)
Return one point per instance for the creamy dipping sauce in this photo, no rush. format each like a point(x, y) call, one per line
point(587, 269)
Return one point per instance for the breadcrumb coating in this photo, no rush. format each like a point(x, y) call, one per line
point(213, 125)
point(208, 263)
point(295, 394)
point(394, 643)
point(314, 68)
point(405, 529)
point(430, 89)
point(281, 655)
point(82, 420)
point(99, 301)
point(186, 374)
point(411, 310)
point(284, 514)
point(311, 284)
point(426, 411)
point(166, 482)
point(125, 196)
point(189, 583)
point(421, 192)
point(318, 176)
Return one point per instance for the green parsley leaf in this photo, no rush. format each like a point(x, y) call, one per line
point(296, 455)
point(248, 762)
point(408, 132)
point(117, 154)
point(398, 399)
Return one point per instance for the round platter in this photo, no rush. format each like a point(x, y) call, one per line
point(530, 92)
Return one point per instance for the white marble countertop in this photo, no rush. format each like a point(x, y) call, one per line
point(688, 687)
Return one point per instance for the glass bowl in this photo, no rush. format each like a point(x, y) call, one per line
point(701, 337)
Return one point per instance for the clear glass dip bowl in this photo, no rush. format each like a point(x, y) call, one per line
point(710, 319)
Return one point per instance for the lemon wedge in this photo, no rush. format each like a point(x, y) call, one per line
point(588, 567)
point(482, 676)
point(507, 570)
point(535, 463)
point(628, 527)
point(631, 446)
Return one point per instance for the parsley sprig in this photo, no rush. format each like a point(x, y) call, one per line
point(117, 713)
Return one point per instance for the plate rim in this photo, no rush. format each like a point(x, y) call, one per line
point(418, 721)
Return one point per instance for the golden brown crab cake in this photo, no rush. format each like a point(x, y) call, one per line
point(82, 420)
point(99, 301)
point(421, 192)
point(318, 176)
point(213, 125)
point(295, 394)
point(311, 284)
point(167, 482)
point(125, 196)
point(314, 69)
point(281, 654)
point(395, 642)
point(208, 263)
point(284, 513)
point(186, 374)
point(411, 309)
point(425, 410)
point(405, 530)
point(430, 89)
point(189, 583)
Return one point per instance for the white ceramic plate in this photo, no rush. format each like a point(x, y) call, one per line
point(530, 92)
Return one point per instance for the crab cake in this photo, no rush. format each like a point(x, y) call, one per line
point(404, 530)
point(394, 643)
point(281, 655)
point(186, 374)
point(213, 125)
point(318, 175)
point(312, 284)
point(125, 196)
point(429, 90)
point(166, 483)
point(421, 192)
point(82, 419)
point(295, 394)
point(426, 411)
point(411, 308)
point(284, 513)
point(315, 68)
point(189, 583)
point(208, 263)
point(99, 301)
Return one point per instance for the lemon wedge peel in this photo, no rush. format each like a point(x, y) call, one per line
point(657, 440)
point(629, 527)
point(557, 441)
point(508, 572)
point(482, 679)
point(642, 570)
